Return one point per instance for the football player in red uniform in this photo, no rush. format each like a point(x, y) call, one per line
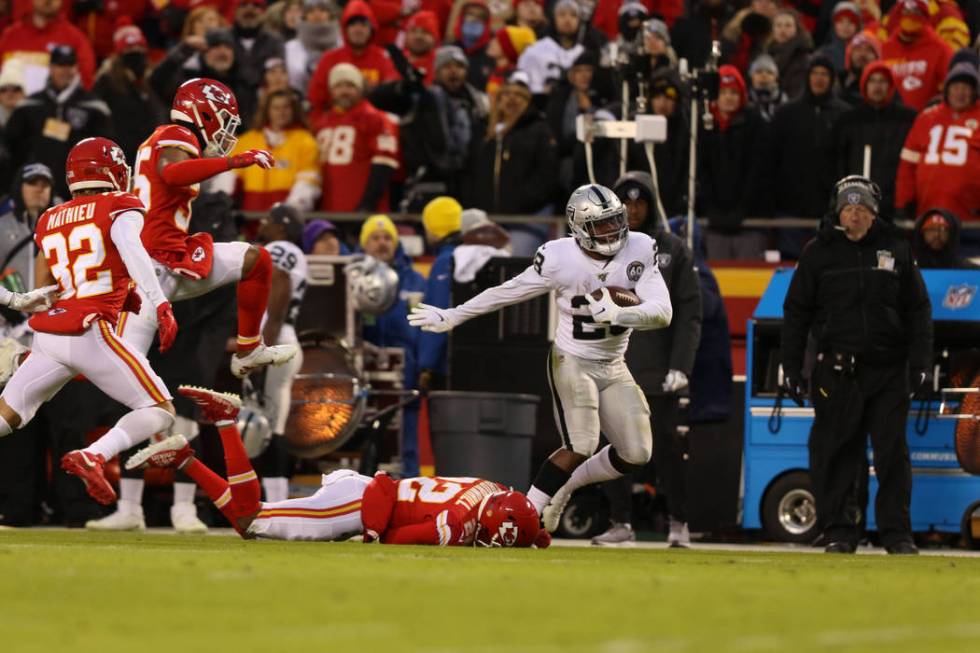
point(90, 247)
point(170, 165)
point(358, 147)
point(440, 511)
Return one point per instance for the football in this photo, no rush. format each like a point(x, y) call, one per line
point(620, 296)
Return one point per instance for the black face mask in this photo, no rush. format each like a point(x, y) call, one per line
point(135, 62)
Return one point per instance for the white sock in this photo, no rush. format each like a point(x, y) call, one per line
point(131, 489)
point(596, 469)
point(276, 489)
point(538, 498)
point(184, 493)
point(131, 429)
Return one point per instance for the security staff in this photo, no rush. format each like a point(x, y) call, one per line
point(858, 291)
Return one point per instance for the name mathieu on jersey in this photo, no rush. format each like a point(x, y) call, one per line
point(75, 241)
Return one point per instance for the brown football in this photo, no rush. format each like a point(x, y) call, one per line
point(620, 296)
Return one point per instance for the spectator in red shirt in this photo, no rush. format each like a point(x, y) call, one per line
point(359, 49)
point(29, 40)
point(917, 56)
point(358, 147)
point(421, 41)
point(940, 160)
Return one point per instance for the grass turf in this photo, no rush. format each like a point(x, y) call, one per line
point(78, 592)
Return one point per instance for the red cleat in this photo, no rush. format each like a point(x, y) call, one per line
point(169, 452)
point(216, 406)
point(90, 468)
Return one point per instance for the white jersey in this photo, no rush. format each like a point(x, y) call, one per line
point(562, 266)
point(546, 62)
point(289, 258)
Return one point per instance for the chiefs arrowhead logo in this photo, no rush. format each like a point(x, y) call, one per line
point(215, 94)
point(507, 533)
point(197, 255)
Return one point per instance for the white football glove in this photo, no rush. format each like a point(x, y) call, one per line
point(10, 356)
point(39, 299)
point(431, 318)
point(675, 381)
point(603, 310)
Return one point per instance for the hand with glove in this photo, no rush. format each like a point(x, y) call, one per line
point(675, 381)
point(433, 318)
point(604, 310)
point(166, 326)
point(793, 388)
point(920, 384)
point(260, 158)
point(39, 299)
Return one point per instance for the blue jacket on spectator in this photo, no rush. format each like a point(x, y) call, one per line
point(432, 346)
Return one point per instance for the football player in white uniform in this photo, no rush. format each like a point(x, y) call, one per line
point(280, 231)
point(591, 386)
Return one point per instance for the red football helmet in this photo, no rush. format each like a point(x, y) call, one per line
point(507, 519)
point(211, 107)
point(97, 163)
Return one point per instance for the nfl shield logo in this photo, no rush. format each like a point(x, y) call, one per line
point(960, 296)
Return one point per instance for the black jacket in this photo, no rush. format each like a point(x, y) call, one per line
point(33, 132)
point(692, 32)
point(803, 170)
point(733, 172)
point(948, 257)
point(513, 173)
point(651, 354)
point(865, 298)
point(251, 62)
point(136, 111)
point(884, 129)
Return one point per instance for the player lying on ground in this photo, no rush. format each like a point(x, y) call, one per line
point(442, 511)
point(591, 386)
point(170, 165)
point(91, 247)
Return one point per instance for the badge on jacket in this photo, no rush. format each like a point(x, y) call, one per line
point(886, 261)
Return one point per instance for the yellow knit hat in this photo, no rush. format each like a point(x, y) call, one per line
point(377, 223)
point(514, 40)
point(441, 217)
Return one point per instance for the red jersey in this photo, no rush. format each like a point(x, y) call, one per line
point(436, 510)
point(373, 62)
point(939, 161)
point(168, 208)
point(350, 142)
point(75, 241)
point(24, 41)
point(919, 67)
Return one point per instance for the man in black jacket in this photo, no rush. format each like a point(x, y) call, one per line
point(46, 125)
point(802, 164)
point(880, 122)
point(253, 44)
point(859, 292)
point(661, 362)
point(936, 242)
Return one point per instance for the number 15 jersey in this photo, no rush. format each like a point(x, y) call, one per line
point(561, 265)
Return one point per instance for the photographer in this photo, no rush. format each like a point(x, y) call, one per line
point(858, 291)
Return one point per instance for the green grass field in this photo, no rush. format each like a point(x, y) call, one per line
point(74, 591)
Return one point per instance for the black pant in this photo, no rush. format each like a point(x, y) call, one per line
point(848, 406)
point(669, 450)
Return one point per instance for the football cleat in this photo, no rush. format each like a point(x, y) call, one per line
point(91, 469)
point(128, 517)
point(679, 537)
point(551, 515)
point(242, 366)
point(215, 406)
point(169, 452)
point(618, 534)
point(184, 518)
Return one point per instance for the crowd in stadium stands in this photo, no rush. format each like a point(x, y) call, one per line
point(381, 105)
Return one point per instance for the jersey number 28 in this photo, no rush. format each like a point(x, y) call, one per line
point(585, 328)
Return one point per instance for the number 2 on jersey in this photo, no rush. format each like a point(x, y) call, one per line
point(74, 277)
point(585, 328)
point(430, 490)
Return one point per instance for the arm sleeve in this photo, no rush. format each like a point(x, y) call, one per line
point(798, 311)
point(527, 285)
point(443, 531)
point(685, 300)
point(193, 171)
point(656, 311)
point(125, 234)
point(908, 163)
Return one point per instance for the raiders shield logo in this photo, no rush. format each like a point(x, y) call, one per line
point(197, 255)
point(959, 297)
point(634, 271)
point(853, 198)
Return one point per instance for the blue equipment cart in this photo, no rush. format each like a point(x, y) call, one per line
point(776, 491)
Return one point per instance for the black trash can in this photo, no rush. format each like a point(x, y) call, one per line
point(483, 434)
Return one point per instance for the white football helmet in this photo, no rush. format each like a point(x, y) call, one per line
point(371, 285)
point(255, 429)
point(597, 219)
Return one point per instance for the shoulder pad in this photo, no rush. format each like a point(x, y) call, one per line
point(122, 202)
point(179, 137)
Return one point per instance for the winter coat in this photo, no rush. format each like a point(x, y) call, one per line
point(251, 61)
point(438, 287)
point(136, 111)
point(947, 258)
point(792, 60)
point(692, 33)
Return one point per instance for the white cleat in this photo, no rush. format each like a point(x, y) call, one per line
point(184, 518)
point(679, 537)
point(128, 517)
point(551, 515)
point(242, 366)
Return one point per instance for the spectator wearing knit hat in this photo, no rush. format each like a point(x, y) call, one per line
point(764, 91)
point(11, 89)
point(880, 121)
point(421, 40)
point(917, 56)
point(442, 220)
point(359, 49)
point(505, 48)
point(861, 51)
point(123, 85)
point(323, 237)
point(318, 31)
point(547, 59)
point(358, 147)
point(846, 22)
point(733, 172)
